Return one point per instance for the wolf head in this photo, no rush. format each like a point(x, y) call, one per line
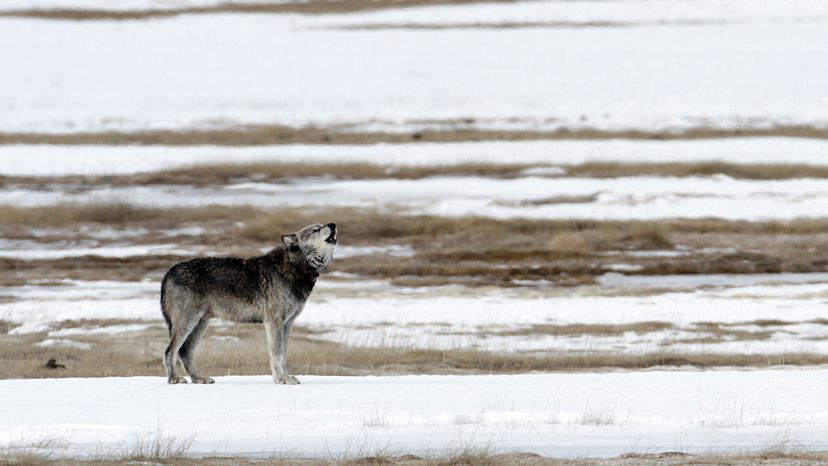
point(315, 242)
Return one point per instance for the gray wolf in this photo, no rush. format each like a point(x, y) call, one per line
point(272, 289)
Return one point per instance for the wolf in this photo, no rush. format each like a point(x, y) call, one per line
point(272, 289)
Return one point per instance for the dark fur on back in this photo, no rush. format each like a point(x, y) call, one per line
point(249, 280)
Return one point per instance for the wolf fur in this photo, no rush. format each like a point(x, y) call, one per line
point(272, 289)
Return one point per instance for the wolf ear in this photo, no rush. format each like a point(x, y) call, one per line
point(290, 241)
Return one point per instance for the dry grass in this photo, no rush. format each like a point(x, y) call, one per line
point(241, 350)
point(461, 250)
point(307, 7)
point(562, 199)
point(506, 25)
point(118, 213)
point(14, 272)
point(222, 174)
point(574, 330)
point(734, 170)
point(276, 134)
point(710, 332)
point(362, 224)
point(200, 175)
point(772, 456)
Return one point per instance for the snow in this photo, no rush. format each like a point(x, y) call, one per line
point(232, 69)
point(376, 314)
point(691, 282)
point(32, 326)
point(55, 160)
point(36, 307)
point(561, 415)
point(394, 250)
point(33, 250)
point(502, 321)
point(63, 343)
point(107, 329)
point(636, 197)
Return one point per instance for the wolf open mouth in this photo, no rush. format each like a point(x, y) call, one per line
point(332, 239)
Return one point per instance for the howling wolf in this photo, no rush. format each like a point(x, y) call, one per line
point(271, 288)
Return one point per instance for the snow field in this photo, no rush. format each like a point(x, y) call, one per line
point(57, 160)
point(235, 69)
point(627, 198)
point(375, 314)
point(560, 415)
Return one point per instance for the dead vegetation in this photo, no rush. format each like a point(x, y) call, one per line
point(433, 26)
point(302, 7)
point(274, 172)
point(447, 250)
point(575, 330)
point(468, 458)
point(239, 349)
point(117, 213)
point(221, 174)
point(701, 332)
point(278, 134)
point(733, 170)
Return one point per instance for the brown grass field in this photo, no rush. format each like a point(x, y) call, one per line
point(447, 250)
point(175, 453)
point(306, 7)
point(277, 134)
point(222, 174)
point(240, 349)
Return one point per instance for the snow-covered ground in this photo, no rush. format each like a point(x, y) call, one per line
point(230, 69)
point(26, 249)
point(540, 197)
point(376, 314)
point(56, 160)
point(38, 250)
point(561, 415)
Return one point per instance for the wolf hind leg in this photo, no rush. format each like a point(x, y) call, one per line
point(187, 352)
point(179, 331)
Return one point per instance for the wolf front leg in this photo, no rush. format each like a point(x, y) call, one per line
point(277, 345)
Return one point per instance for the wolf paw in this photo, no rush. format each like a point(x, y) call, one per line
point(203, 379)
point(286, 380)
point(172, 380)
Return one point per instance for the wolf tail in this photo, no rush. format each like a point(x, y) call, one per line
point(163, 307)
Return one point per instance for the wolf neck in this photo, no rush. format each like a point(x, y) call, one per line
point(295, 263)
point(316, 259)
point(299, 274)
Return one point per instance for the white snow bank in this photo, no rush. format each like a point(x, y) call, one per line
point(55, 160)
point(229, 69)
point(36, 307)
point(29, 250)
point(105, 330)
point(379, 315)
point(561, 415)
point(62, 343)
point(627, 198)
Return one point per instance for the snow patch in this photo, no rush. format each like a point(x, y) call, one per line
point(55, 160)
point(587, 414)
point(63, 343)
